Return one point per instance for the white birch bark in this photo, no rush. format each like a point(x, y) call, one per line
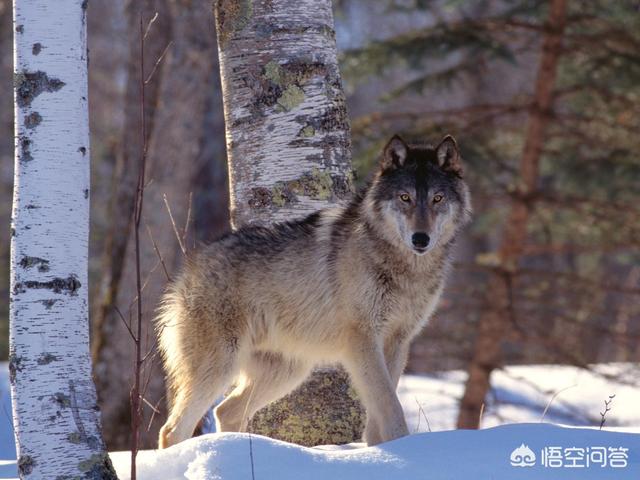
point(288, 138)
point(288, 146)
point(54, 403)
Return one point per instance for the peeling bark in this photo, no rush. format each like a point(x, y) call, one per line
point(285, 110)
point(288, 146)
point(55, 412)
point(495, 324)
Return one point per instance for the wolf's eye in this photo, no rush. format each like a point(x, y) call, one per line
point(437, 198)
point(405, 197)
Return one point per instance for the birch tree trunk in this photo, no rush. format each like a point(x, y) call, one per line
point(495, 324)
point(55, 413)
point(288, 146)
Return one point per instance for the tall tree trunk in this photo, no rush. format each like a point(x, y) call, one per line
point(6, 154)
point(107, 344)
point(288, 146)
point(179, 153)
point(494, 324)
point(54, 401)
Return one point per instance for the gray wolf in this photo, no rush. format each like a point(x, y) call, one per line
point(261, 307)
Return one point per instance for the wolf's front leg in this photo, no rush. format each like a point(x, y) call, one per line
point(396, 352)
point(366, 365)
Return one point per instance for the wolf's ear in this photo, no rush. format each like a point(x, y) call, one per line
point(395, 153)
point(449, 155)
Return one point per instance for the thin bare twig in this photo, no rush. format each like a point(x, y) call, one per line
point(151, 22)
point(173, 223)
point(423, 413)
point(147, 381)
point(153, 408)
point(158, 62)
point(185, 232)
point(151, 352)
point(607, 409)
point(553, 397)
point(244, 415)
point(144, 284)
point(136, 406)
point(126, 324)
point(157, 250)
point(153, 414)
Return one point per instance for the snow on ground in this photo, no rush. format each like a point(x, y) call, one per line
point(7, 448)
point(458, 454)
point(520, 394)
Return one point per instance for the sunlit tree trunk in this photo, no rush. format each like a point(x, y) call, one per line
point(495, 324)
point(54, 402)
point(288, 146)
point(6, 152)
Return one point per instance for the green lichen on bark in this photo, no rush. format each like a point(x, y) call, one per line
point(319, 184)
point(269, 30)
point(316, 184)
point(291, 97)
point(274, 72)
point(307, 131)
point(333, 119)
point(231, 16)
point(283, 84)
point(344, 187)
point(281, 195)
point(293, 72)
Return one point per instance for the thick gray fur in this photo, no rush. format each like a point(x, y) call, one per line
point(259, 308)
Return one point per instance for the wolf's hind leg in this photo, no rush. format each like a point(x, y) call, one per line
point(193, 397)
point(269, 377)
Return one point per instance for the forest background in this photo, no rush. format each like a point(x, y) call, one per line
point(563, 291)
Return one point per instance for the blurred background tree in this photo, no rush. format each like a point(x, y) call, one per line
point(544, 99)
point(421, 68)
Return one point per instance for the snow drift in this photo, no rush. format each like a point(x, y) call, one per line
point(459, 454)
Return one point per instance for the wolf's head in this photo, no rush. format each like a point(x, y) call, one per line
point(419, 194)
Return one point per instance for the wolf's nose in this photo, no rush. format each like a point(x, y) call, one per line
point(420, 240)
